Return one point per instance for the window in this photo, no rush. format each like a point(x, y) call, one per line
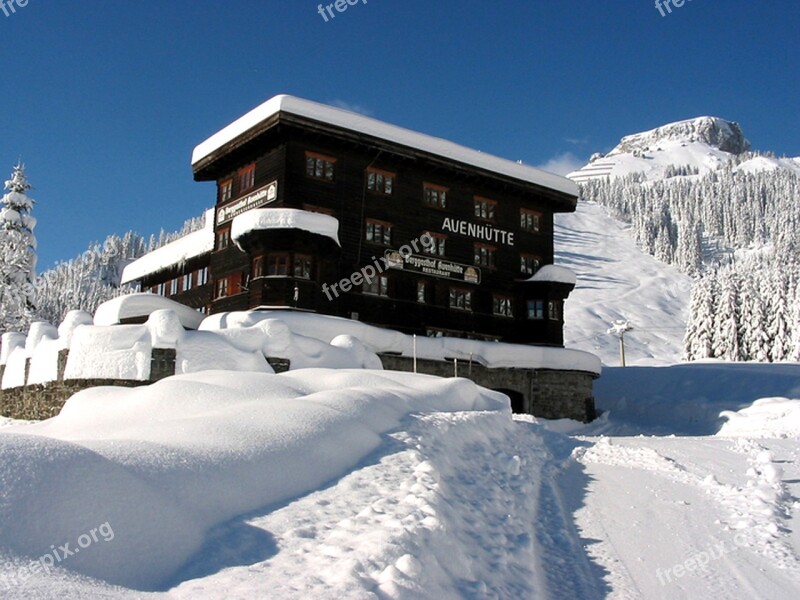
point(228, 286)
point(378, 286)
point(187, 282)
point(536, 309)
point(529, 220)
point(202, 276)
point(381, 182)
point(485, 208)
point(484, 255)
point(554, 310)
point(438, 246)
point(379, 232)
point(222, 288)
point(319, 166)
point(257, 269)
point(223, 238)
point(435, 195)
point(277, 265)
point(225, 190)
point(529, 264)
point(247, 177)
point(173, 287)
point(502, 306)
point(422, 292)
point(460, 299)
point(302, 266)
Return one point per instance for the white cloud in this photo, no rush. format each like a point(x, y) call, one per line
point(356, 108)
point(563, 163)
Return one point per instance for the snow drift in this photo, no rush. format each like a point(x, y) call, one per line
point(164, 464)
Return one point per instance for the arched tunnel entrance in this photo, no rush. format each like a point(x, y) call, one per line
point(517, 399)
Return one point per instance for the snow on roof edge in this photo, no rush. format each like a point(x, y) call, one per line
point(189, 246)
point(259, 219)
point(373, 127)
point(555, 274)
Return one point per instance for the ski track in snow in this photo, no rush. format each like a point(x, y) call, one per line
point(618, 281)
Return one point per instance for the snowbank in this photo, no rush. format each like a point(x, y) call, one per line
point(10, 342)
point(132, 306)
point(264, 219)
point(162, 465)
point(765, 418)
point(115, 352)
point(687, 399)
point(378, 340)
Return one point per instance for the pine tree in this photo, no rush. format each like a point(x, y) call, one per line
point(17, 254)
point(699, 339)
point(779, 319)
point(795, 355)
point(726, 319)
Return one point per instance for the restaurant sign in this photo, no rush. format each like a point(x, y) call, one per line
point(260, 197)
point(430, 265)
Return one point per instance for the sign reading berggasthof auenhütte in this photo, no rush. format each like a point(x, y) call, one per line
point(430, 265)
point(260, 197)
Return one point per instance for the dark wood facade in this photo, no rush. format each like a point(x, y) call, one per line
point(385, 196)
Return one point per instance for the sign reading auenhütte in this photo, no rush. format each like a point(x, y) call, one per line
point(432, 266)
point(484, 231)
point(261, 196)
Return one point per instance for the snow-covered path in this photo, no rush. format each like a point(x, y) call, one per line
point(447, 505)
point(690, 517)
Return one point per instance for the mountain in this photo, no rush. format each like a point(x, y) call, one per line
point(693, 196)
point(692, 147)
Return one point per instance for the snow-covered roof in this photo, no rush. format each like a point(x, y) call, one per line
point(284, 218)
point(554, 274)
point(378, 129)
point(189, 246)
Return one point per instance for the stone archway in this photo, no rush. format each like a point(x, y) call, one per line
point(517, 399)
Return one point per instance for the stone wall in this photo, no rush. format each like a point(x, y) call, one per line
point(543, 393)
point(36, 402)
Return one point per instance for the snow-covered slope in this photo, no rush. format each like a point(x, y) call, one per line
point(617, 281)
point(768, 163)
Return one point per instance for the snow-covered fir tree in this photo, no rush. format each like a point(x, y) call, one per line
point(702, 224)
point(757, 296)
point(17, 254)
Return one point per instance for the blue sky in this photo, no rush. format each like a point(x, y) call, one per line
point(104, 101)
